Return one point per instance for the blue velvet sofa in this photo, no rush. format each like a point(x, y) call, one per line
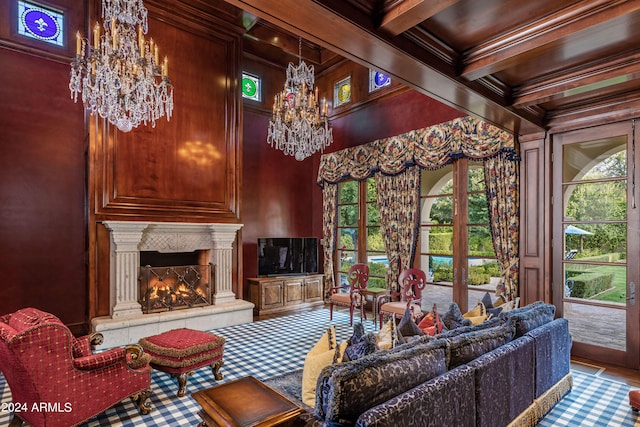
point(507, 371)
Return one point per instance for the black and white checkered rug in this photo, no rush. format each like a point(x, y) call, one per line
point(269, 348)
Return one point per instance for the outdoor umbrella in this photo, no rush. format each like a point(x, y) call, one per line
point(572, 229)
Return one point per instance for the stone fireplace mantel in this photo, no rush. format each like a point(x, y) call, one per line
point(126, 323)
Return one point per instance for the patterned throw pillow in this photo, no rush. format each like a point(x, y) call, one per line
point(453, 319)
point(431, 324)
point(360, 344)
point(388, 337)
point(324, 353)
point(407, 326)
point(477, 315)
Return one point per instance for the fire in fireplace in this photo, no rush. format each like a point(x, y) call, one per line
point(175, 287)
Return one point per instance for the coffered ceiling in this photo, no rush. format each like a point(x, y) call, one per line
point(527, 66)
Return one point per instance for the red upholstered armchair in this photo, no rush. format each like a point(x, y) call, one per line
point(56, 380)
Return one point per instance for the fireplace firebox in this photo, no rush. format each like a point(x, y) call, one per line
point(175, 287)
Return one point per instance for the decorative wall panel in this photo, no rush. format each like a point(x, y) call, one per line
point(188, 167)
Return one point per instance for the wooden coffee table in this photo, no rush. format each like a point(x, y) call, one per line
point(244, 402)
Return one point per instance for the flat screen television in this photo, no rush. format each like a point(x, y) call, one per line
point(279, 256)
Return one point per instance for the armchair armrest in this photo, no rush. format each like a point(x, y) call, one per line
point(100, 360)
point(136, 357)
point(336, 289)
point(84, 345)
point(387, 298)
point(133, 355)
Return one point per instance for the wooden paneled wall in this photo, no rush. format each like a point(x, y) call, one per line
point(535, 220)
point(188, 168)
point(42, 174)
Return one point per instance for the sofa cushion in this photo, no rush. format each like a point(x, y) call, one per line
point(529, 317)
point(504, 382)
point(347, 390)
point(442, 401)
point(491, 323)
point(360, 344)
point(552, 347)
point(464, 348)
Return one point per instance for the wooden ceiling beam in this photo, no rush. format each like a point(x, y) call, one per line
point(268, 35)
point(351, 34)
point(497, 54)
point(590, 78)
point(409, 13)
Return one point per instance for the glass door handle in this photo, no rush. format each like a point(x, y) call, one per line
point(631, 296)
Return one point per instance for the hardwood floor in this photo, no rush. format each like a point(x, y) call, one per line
point(615, 373)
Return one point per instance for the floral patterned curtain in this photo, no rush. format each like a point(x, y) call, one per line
point(399, 204)
point(501, 175)
point(329, 227)
point(433, 148)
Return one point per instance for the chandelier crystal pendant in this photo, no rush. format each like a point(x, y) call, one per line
point(119, 75)
point(299, 125)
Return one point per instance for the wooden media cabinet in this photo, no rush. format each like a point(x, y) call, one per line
point(280, 293)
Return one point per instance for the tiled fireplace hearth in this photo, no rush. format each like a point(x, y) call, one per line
point(126, 323)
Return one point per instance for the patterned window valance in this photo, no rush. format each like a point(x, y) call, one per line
point(430, 148)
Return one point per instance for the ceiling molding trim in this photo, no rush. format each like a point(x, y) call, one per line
point(495, 54)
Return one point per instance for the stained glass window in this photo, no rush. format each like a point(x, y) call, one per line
point(41, 23)
point(342, 92)
point(251, 87)
point(377, 79)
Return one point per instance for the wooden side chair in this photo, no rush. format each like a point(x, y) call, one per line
point(349, 295)
point(412, 281)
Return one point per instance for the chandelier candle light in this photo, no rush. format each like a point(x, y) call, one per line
point(119, 75)
point(299, 125)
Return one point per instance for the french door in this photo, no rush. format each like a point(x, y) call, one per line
point(596, 241)
point(455, 244)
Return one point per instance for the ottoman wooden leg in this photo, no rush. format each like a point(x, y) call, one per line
point(215, 368)
point(182, 382)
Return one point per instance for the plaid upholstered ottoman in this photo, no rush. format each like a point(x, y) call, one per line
point(181, 351)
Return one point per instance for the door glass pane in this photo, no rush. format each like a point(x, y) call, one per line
point(483, 275)
point(588, 160)
point(436, 236)
point(594, 197)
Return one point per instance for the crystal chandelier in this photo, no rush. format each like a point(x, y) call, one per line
point(299, 125)
point(119, 75)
